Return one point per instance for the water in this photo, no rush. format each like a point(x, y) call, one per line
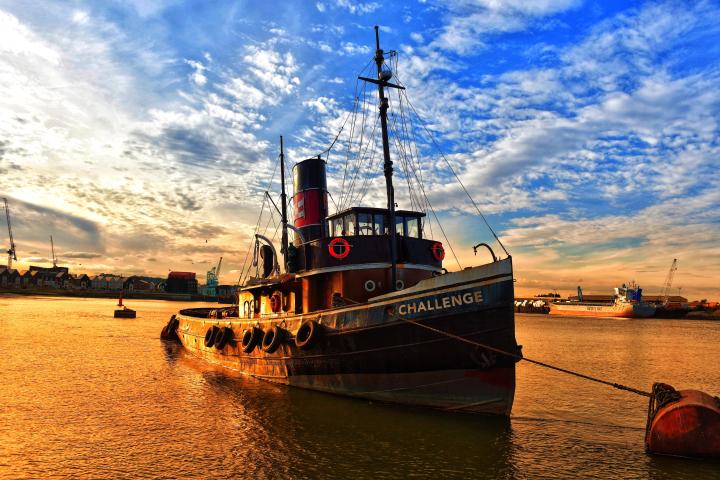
point(84, 395)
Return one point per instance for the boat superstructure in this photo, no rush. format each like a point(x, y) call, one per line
point(347, 310)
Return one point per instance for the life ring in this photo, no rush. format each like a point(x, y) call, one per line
point(345, 250)
point(438, 251)
point(223, 337)
point(307, 334)
point(275, 302)
point(250, 339)
point(272, 339)
point(210, 335)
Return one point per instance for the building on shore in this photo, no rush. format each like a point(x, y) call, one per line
point(138, 284)
point(10, 278)
point(42, 277)
point(181, 282)
point(105, 281)
point(79, 282)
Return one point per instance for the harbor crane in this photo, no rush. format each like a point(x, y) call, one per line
point(668, 282)
point(11, 251)
point(52, 247)
point(213, 278)
point(217, 269)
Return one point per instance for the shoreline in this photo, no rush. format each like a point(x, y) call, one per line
point(177, 297)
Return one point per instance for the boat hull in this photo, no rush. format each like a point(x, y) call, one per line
point(379, 352)
point(624, 311)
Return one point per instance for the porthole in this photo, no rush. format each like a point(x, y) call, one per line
point(369, 286)
point(399, 285)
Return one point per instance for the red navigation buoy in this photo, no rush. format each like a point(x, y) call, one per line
point(684, 423)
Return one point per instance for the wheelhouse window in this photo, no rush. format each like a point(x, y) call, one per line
point(350, 224)
point(365, 224)
point(336, 227)
point(374, 221)
point(412, 226)
point(399, 225)
point(379, 224)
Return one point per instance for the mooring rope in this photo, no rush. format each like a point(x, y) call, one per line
point(618, 386)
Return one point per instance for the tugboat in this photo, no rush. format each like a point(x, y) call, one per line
point(363, 306)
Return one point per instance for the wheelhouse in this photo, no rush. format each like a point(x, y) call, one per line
point(367, 221)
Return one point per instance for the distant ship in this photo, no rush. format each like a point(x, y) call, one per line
point(364, 306)
point(627, 303)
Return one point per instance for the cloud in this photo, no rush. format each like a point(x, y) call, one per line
point(80, 17)
point(274, 69)
point(197, 76)
point(186, 202)
point(469, 21)
point(353, 49)
point(16, 39)
point(357, 8)
point(33, 224)
point(80, 255)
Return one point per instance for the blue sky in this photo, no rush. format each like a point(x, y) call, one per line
point(141, 133)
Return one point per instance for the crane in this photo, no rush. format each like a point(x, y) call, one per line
point(52, 247)
point(11, 251)
point(217, 269)
point(668, 282)
point(212, 279)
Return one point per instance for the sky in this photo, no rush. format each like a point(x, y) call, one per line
point(142, 134)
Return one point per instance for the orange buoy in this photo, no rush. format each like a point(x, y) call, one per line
point(684, 423)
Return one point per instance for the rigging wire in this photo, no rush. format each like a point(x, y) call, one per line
point(401, 155)
point(356, 101)
point(368, 178)
point(349, 146)
point(452, 250)
point(359, 156)
point(456, 175)
point(409, 157)
point(241, 278)
point(359, 163)
point(252, 239)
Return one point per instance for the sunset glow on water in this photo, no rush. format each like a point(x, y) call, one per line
point(84, 395)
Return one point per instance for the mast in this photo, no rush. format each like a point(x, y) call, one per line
point(388, 165)
point(283, 206)
point(382, 81)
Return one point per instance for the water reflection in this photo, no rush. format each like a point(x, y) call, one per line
point(305, 434)
point(172, 350)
